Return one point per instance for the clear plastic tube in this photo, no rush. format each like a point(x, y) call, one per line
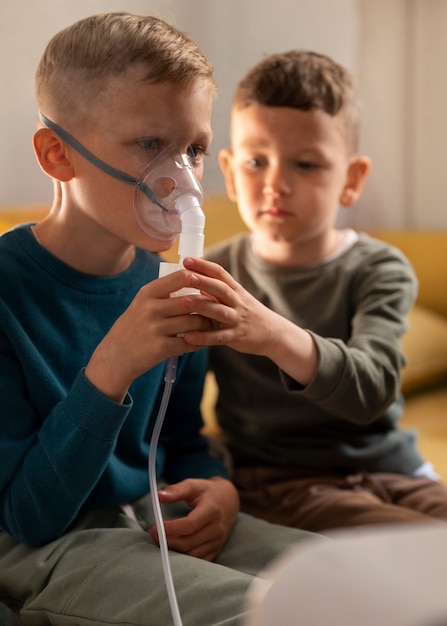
point(152, 466)
point(190, 244)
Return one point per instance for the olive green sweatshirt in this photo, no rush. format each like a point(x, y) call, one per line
point(354, 305)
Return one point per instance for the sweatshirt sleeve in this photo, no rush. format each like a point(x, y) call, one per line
point(50, 468)
point(358, 378)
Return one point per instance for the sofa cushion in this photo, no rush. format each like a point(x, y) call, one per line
point(425, 348)
point(425, 412)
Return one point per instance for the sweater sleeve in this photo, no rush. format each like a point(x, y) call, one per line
point(50, 468)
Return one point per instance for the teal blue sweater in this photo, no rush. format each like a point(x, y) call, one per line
point(64, 447)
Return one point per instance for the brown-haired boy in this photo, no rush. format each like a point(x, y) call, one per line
point(310, 316)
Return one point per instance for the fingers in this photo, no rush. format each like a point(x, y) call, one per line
point(202, 266)
point(197, 534)
point(177, 326)
point(163, 315)
point(160, 304)
point(198, 269)
point(212, 279)
point(164, 286)
point(188, 490)
point(202, 533)
point(222, 314)
point(205, 544)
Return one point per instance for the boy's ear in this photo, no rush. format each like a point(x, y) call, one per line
point(358, 171)
point(52, 155)
point(226, 165)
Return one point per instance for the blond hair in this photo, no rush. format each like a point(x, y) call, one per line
point(78, 60)
point(302, 80)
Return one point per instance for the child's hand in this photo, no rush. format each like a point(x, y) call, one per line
point(204, 531)
point(144, 335)
point(240, 321)
point(243, 323)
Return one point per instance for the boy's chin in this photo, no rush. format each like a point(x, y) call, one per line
point(151, 244)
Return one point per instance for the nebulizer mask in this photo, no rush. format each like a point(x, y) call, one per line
point(167, 201)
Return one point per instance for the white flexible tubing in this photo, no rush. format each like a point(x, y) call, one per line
point(170, 373)
point(171, 366)
point(190, 244)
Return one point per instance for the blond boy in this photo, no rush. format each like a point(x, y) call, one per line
point(85, 329)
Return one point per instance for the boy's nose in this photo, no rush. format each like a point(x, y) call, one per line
point(276, 183)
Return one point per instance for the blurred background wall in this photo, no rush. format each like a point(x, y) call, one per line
point(395, 48)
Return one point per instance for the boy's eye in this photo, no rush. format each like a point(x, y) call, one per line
point(196, 153)
point(149, 144)
point(306, 165)
point(255, 162)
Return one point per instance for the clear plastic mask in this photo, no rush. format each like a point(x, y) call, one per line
point(174, 188)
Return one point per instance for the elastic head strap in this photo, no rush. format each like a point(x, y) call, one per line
point(108, 169)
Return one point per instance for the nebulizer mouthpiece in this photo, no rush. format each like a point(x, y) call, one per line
point(168, 201)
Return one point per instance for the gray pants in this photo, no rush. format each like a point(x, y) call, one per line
point(106, 571)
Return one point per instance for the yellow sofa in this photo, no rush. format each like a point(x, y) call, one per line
point(424, 345)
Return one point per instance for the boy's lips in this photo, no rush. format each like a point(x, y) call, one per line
point(275, 212)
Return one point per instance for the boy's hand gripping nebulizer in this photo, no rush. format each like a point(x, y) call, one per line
point(168, 200)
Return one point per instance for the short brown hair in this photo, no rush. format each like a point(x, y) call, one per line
point(304, 80)
point(78, 59)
